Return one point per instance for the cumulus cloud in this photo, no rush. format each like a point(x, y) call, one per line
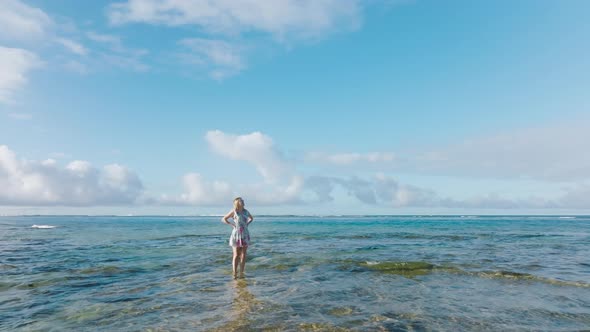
point(21, 22)
point(380, 189)
point(285, 193)
point(202, 192)
point(198, 191)
point(255, 148)
point(321, 186)
point(285, 184)
point(15, 64)
point(399, 195)
point(79, 183)
point(385, 190)
point(280, 18)
point(281, 185)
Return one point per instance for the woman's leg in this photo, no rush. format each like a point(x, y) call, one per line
point(243, 260)
point(235, 260)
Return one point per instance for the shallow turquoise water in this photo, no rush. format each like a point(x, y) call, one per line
point(303, 273)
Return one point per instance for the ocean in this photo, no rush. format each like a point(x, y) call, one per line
point(348, 273)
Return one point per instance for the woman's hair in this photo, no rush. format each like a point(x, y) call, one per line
point(237, 200)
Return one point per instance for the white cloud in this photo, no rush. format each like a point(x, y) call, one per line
point(282, 185)
point(386, 191)
point(15, 63)
point(283, 19)
point(31, 28)
point(351, 158)
point(33, 183)
point(255, 148)
point(400, 195)
point(220, 57)
point(21, 22)
point(198, 191)
point(72, 46)
point(275, 194)
point(381, 189)
point(227, 29)
point(201, 192)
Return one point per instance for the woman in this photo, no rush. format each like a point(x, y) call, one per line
point(240, 237)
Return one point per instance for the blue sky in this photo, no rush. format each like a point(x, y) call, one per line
point(301, 107)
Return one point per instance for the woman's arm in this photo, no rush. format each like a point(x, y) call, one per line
point(229, 215)
point(250, 218)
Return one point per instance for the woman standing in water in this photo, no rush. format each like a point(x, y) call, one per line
point(240, 237)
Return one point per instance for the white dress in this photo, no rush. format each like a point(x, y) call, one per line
point(240, 237)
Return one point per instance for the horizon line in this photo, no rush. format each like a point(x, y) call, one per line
point(299, 215)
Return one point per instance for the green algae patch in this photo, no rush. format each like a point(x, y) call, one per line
point(408, 269)
point(320, 327)
point(379, 318)
point(341, 311)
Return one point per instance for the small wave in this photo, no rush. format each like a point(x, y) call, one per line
point(567, 217)
point(43, 226)
point(449, 237)
point(374, 247)
point(178, 237)
point(108, 270)
point(526, 236)
point(358, 236)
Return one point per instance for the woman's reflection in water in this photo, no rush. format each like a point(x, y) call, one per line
point(243, 305)
point(244, 301)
